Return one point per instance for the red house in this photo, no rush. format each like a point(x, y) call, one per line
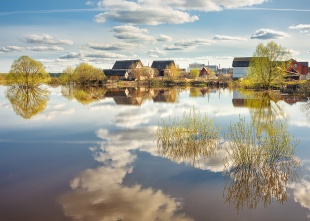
point(299, 68)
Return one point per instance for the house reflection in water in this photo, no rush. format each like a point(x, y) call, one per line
point(137, 96)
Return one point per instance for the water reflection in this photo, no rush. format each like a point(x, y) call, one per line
point(99, 194)
point(188, 139)
point(261, 165)
point(84, 95)
point(27, 101)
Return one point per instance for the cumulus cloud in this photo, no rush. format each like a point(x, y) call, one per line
point(46, 48)
point(112, 46)
point(155, 52)
point(7, 49)
point(46, 40)
point(302, 192)
point(104, 54)
point(188, 44)
point(164, 38)
point(228, 38)
point(266, 34)
point(141, 13)
point(301, 27)
point(71, 55)
point(132, 33)
point(152, 12)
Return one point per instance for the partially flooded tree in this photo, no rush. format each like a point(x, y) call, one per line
point(84, 95)
point(27, 101)
point(86, 74)
point(28, 72)
point(268, 65)
point(67, 76)
point(188, 138)
point(259, 166)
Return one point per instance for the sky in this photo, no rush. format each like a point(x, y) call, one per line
point(62, 33)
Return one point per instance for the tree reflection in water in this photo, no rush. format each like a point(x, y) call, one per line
point(27, 101)
point(84, 95)
point(188, 139)
point(260, 157)
point(259, 164)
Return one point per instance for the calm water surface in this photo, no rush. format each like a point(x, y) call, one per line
point(92, 155)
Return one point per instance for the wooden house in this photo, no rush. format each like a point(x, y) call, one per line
point(121, 70)
point(205, 73)
point(163, 67)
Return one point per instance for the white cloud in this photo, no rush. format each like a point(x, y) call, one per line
point(45, 48)
point(302, 192)
point(155, 52)
point(89, 3)
point(161, 11)
point(143, 12)
point(113, 46)
point(104, 54)
point(11, 49)
point(164, 38)
point(266, 34)
point(228, 38)
point(46, 39)
point(301, 27)
point(71, 55)
point(132, 33)
point(188, 44)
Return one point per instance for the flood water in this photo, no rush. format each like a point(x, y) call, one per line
point(92, 154)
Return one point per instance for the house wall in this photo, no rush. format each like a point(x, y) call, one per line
point(239, 72)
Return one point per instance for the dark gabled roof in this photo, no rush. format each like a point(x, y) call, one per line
point(241, 61)
point(111, 72)
point(305, 64)
point(125, 64)
point(162, 64)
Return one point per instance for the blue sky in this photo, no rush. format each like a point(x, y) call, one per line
point(62, 33)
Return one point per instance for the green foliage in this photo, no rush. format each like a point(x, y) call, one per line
point(172, 71)
point(259, 166)
point(28, 72)
point(67, 76)
point(55, 81)
point(2, 79)
point(194, 73)
point(27, 101)
point(87, 74)
point(188, 138)
point(268, 65)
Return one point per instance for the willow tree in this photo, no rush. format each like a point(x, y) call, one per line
point(27, 72)
point(27, 101)
point(267, 67)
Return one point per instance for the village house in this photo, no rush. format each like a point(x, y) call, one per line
point(240, 66)
point(162, 67)
point(121, 70)
point(296, 70)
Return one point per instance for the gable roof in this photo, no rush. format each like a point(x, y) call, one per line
point(111, 72)
point(162, 64)
point(241, 61)
point(125, 64)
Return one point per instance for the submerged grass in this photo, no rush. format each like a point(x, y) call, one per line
point(188, 138)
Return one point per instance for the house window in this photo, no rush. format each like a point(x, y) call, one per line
point(295, 65)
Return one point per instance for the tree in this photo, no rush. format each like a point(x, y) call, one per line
point(194, 73)
point(144, 73)
point(88, 74)
point(67, 76)
point(27, 101)
point(28, 72)
point(173, 71)
point(267, 67)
